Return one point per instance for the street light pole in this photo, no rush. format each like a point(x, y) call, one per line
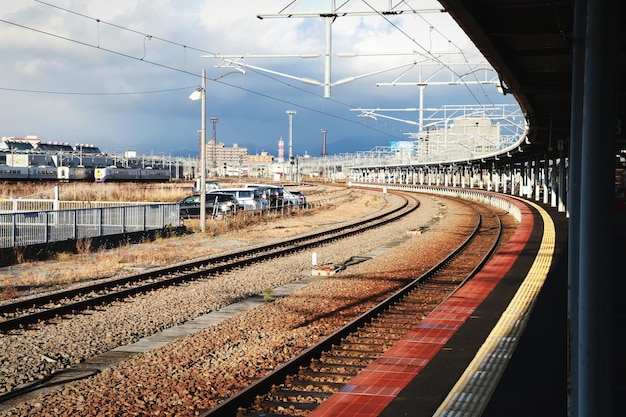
point(203, 159)
point(214, 121)
point(200, 93)
point(290, 113)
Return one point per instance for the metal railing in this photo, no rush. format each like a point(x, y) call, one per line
point(15, 205)
point(25, 222)
point(501, 201)
point(41, 227)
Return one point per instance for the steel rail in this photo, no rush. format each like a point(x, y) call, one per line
point(186, 272)
point(263, 385)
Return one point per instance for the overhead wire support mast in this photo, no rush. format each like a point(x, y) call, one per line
point(455, 79)
point(329, 17)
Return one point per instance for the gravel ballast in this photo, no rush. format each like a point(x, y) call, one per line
point(195, 372)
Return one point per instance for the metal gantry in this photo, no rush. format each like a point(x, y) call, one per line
point(329, 16)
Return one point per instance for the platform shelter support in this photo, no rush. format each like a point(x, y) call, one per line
point(562, 177)
point(596, 250)
point(509, 180)
point(546, 172)
point(575, 154)
point(537, 179)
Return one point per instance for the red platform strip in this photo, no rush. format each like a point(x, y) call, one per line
point(372, 389)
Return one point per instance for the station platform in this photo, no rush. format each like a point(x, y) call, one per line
point(498, 347)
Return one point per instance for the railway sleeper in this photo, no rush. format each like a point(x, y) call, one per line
point(392, 323)
point(447, 281)
point(378, 343)
point(364, 346)
point(341, 377)
point(412, 304)
point(297, 396)
point(281, 405)
point(400, 314)
point(309, 384)
point(272, 399)
point(366, 356)
point(384, 326)
point(444, 281)
point(389, 317)
point(337, 368)
point(323, 364)
point(377, 333)
point(250, 413)
point(339, 360)
point(282, 401)
point(398, 330)
point(352, 350)
point(365, 338)
point(418, 310)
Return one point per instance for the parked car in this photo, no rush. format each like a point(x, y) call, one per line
point(247, 198)
point(291, 199)
point(301, 197)
point(210, 186)
point(272, 193)
point(216, 204)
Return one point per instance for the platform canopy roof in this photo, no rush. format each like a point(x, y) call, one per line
point(530, 43)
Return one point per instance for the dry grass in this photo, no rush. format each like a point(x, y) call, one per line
point(221, 235)
point(88, 191)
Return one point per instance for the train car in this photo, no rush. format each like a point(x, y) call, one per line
point(151, 174)
point(11, 173)
point(31, 173)
point(110, 174)
point(42, 173)
point(116, 174)
point(63, 173)
point(79, 173)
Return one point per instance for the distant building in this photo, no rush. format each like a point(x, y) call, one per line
point(281, 150)
point(13, 144)
point(220, 154)
point(464, 138)
point(264, 157)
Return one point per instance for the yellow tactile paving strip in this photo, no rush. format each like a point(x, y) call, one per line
point(473, 390)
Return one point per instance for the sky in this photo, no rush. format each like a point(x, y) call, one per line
point(118, 73)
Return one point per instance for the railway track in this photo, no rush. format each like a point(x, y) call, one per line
point(304, 382)
point(39, 309)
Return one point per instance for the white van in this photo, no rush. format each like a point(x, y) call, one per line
point(210, 185)
point(248, 198)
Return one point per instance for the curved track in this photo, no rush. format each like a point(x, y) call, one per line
point(35, 310)
point(304, 382)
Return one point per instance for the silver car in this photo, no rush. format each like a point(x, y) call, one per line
point(247, 198)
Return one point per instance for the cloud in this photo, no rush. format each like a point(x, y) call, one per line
point(118, 73)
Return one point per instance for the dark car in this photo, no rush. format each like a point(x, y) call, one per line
point(216, 204)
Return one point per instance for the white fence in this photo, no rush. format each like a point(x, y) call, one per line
point(501, 201)
point(40, 227)
point(15, 205)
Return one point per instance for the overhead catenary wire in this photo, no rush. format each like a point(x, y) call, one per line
point(172, 68)
point(146, 37)
point(92, 93)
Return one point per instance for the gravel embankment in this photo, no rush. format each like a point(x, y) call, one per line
point(193, 373)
